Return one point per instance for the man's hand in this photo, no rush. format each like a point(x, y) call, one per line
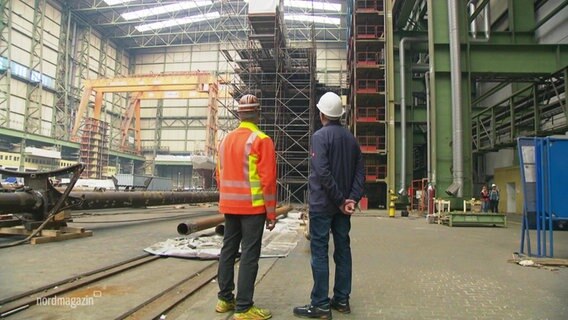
point(270, 224)
point(348, 207)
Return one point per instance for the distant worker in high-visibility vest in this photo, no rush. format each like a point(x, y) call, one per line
point(246, 177)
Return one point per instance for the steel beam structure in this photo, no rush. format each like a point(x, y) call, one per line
point(5, 61)
point(441, 100)
point(111, 24)
point(60, 121)
point(33, 112)
point(539, 108)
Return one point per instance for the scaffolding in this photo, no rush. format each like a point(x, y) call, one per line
point(368, 120)
point(283, 78)
point(94, 148)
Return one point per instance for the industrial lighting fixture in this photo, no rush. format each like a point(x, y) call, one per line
point(314, 5)
point(178, 6)
point(113, 2)
point(178, 21)
point(315, 19)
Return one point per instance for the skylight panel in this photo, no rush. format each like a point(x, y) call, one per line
point(314, 5)
point(113, 2)
point(178, 6)
point(315, 19)
point(178, 21)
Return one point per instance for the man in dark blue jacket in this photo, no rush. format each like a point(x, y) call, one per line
point(336, 185)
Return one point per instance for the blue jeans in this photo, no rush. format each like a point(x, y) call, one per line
point(485, 205)
point(320, 225)
point(244, 231)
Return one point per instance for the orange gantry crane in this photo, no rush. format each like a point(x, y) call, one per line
point(186, 85)
point(179, 85)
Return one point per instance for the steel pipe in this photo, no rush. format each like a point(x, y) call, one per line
point(190, 227)
point(456, 188)
point(30, 201)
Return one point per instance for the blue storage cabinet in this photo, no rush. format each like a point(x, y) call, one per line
point(544, 176)
point(557, 167)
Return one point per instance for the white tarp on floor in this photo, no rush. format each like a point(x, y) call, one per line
point(207, 245)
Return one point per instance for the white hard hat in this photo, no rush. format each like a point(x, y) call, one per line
point(330, 105)
point(493, 185)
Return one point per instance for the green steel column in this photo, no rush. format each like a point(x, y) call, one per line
point(33, 113)
point(60, 123)
point(82, 69)
point(5, 60)
point(441, 101)
point(390, 95)
point(520, 19)
point(118, 103)
point(103, 54)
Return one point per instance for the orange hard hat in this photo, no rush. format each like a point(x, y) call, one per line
point(248, 103)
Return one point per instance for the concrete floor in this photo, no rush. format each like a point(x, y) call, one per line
point(404, 268)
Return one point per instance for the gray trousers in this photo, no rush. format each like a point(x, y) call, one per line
point(245, 231)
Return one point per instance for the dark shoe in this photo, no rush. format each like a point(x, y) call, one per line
point(313, 312)
point(342, 307)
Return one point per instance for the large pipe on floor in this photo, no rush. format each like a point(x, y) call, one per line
point(190, 227)
point(31, 201)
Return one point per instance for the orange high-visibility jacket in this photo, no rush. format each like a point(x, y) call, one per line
point(246, 172)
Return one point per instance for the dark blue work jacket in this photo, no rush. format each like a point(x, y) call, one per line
point(337, 171)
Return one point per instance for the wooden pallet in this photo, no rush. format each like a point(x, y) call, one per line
point(49, 235)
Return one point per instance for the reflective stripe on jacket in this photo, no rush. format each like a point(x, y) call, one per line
point(246, 172)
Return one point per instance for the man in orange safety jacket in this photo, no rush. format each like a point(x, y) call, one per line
point(246, 177)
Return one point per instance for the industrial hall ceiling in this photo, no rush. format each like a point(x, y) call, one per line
point(139, 24)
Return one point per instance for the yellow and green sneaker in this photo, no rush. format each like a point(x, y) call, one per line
point(254, 313)
point(225, 306)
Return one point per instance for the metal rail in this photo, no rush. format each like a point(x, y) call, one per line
point(164, 301)
point(25, 300)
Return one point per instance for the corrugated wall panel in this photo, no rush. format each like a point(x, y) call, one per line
point(17, 105)
point(173, 134)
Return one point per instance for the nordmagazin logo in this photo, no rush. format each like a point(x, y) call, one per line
point(72, 302)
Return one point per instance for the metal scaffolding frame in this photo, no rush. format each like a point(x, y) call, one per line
point(94, 151)
point(109, 22)
point(5, 54)
point(60, 124)
point(283, 77)
point(33, 113)
point(367, 116)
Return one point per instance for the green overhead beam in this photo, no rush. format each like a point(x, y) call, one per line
point(126, 156)
point(511, 60)
point(38, 138)
point(56, 142)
